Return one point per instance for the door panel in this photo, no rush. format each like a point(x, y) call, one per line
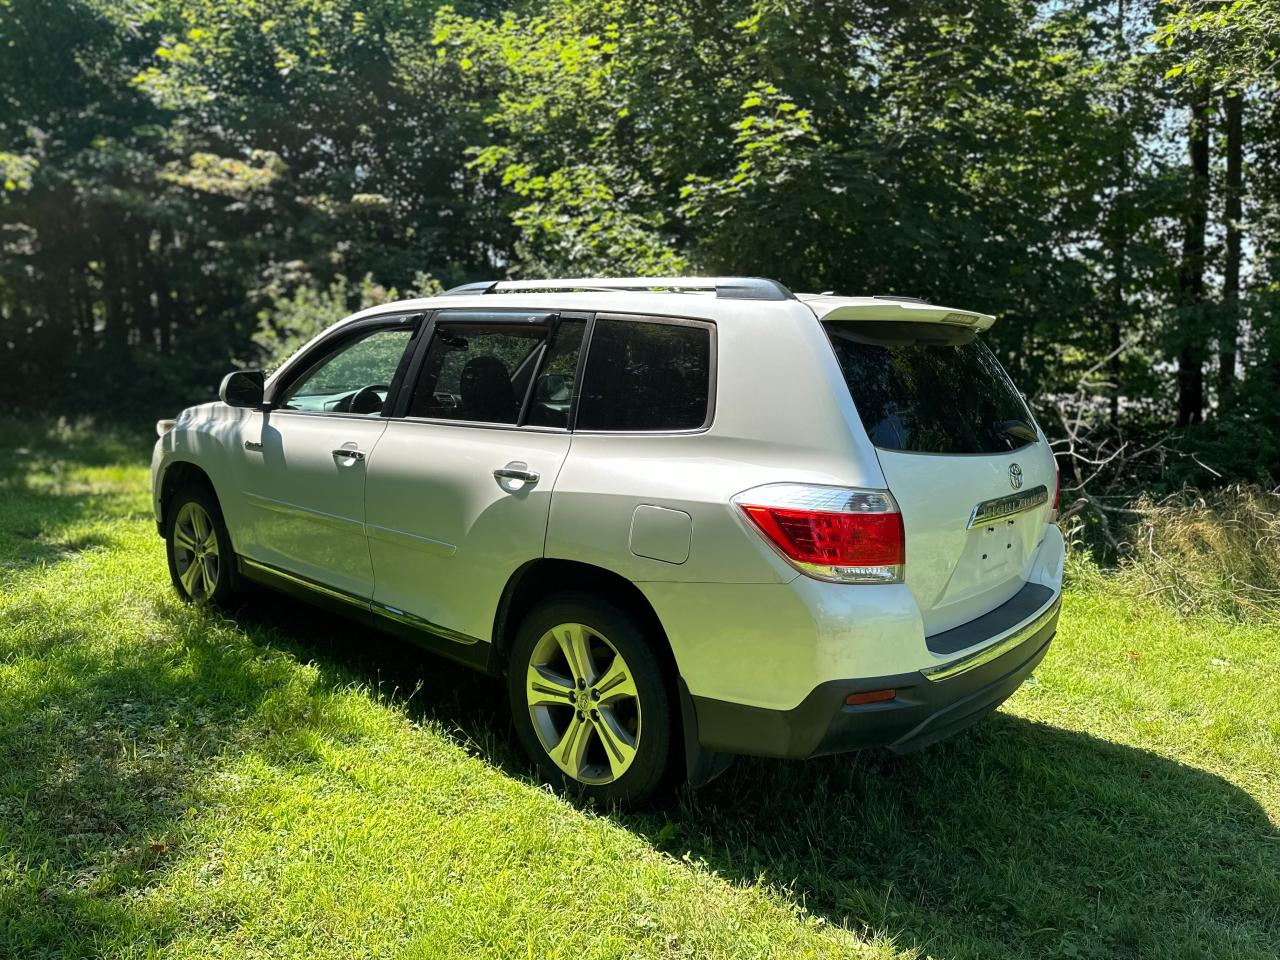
point(445, 534)
point(304, 503)
point(459, 493)
point(304, 463)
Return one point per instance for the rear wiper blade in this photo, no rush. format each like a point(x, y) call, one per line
point(1017, 429)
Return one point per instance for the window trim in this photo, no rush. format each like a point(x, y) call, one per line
point(589, 321)
point(712, 373)
point(512, 315)
point(323, 349)
point(399, 410)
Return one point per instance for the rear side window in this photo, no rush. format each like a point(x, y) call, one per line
point(489, 367)
point(646, 375)
point(476, 370)
point(930, 389)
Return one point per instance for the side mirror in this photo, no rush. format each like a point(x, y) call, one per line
point(242, 388)
point(552, 386)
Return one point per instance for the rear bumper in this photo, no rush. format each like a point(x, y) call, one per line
point(926, 709)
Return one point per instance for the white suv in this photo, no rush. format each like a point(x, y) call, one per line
point(686, 518)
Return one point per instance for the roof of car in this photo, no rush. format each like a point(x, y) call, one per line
point(648, 291)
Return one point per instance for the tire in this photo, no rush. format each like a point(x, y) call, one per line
point(618, 707)
point(201, 560)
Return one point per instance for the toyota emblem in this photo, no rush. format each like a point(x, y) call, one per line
point(1015, 476)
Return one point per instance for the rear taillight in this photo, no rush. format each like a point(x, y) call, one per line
point(832, 533)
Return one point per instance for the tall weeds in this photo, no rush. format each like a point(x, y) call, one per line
point(1216, 552)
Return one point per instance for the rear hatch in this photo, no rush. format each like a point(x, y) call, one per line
point(959, 450)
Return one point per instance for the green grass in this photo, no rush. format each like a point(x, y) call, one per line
point(176, 783)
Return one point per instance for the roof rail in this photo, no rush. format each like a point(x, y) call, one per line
point(726, 288)
point(480, 286)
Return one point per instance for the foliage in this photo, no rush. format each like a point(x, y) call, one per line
point(1233, 44)
point(186, 152)
point(290, 319)
point(580, 205)
point(1024, 158)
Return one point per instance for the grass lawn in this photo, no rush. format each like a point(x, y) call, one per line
point(175, 783)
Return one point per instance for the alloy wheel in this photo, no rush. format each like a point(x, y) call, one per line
point(195, 551)
point(584, 704)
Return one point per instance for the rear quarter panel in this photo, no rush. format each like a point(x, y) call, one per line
point(780, 413)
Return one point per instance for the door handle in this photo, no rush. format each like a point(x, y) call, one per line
point(349, 453)
point(516, 470)
point(253, 445)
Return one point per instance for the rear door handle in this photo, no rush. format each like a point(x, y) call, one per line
point(516, 470)
point(349, 453)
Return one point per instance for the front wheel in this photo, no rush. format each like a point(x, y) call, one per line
point(198, 547)
point(589, 699)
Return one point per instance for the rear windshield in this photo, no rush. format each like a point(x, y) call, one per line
point(927, 388)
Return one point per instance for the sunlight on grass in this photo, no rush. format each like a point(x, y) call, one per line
point(178, 783)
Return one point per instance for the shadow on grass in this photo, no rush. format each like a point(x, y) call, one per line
point(100, 748)
point(35, 514)
point(1014, 839)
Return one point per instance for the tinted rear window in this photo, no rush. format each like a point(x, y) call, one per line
point(930, 389)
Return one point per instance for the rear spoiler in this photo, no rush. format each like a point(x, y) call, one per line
point(893, 309)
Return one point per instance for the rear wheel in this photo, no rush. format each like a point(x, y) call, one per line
point(589, 699)
point(198, 547)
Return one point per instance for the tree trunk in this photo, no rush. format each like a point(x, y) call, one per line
point(166, 254)
point(1120, 237)
point(1229, 339)
point(115, 327)
point(1191, 333)
point(138, 254)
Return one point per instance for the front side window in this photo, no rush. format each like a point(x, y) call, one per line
point(646, 375)
point(355, 378)
point(483, 369)
point(928, 388)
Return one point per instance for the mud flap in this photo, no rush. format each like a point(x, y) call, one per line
point(701, 766)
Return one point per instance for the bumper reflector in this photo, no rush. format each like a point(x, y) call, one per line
point(871, 696)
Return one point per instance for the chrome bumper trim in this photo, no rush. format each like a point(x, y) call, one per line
point(999, 648)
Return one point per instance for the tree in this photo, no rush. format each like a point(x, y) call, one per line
point(1233, 215)
point(1228, 45)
